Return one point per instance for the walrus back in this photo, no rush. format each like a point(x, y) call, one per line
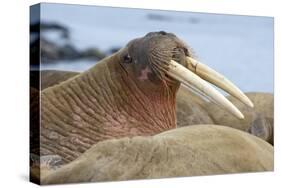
point(188, 151)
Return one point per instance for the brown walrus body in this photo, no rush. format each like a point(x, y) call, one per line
point(187, 151)
point(191, 109)
point(258, 121)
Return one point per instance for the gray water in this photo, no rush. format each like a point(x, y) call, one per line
point(240, 47)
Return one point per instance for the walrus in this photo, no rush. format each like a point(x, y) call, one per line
point(130, 93)
point(258, 121)
point(187, 151)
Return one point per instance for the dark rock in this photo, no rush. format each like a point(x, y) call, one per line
point(93, 53)
point(49, 51)
point(69, 52)
point(114, 49)
point(43, 26)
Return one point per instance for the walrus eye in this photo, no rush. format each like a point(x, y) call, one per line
point(127, 59)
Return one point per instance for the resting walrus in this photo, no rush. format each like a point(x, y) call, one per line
point(258, 121)
point(130, 93)
point(188, 151)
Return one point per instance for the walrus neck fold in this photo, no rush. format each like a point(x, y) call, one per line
point(89, 108)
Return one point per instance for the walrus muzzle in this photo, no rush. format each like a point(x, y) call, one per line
point(195, 77)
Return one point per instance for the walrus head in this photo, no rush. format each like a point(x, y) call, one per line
point(160, 62)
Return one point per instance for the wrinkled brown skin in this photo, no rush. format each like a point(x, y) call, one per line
point(192, 110)
point(116, 98)
point(189, 107)
point(188, 151)
point(258, 121)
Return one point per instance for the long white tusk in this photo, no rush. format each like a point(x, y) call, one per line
point(186, 77)
point(217, 79)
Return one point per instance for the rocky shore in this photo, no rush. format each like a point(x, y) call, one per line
point(53, 51)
